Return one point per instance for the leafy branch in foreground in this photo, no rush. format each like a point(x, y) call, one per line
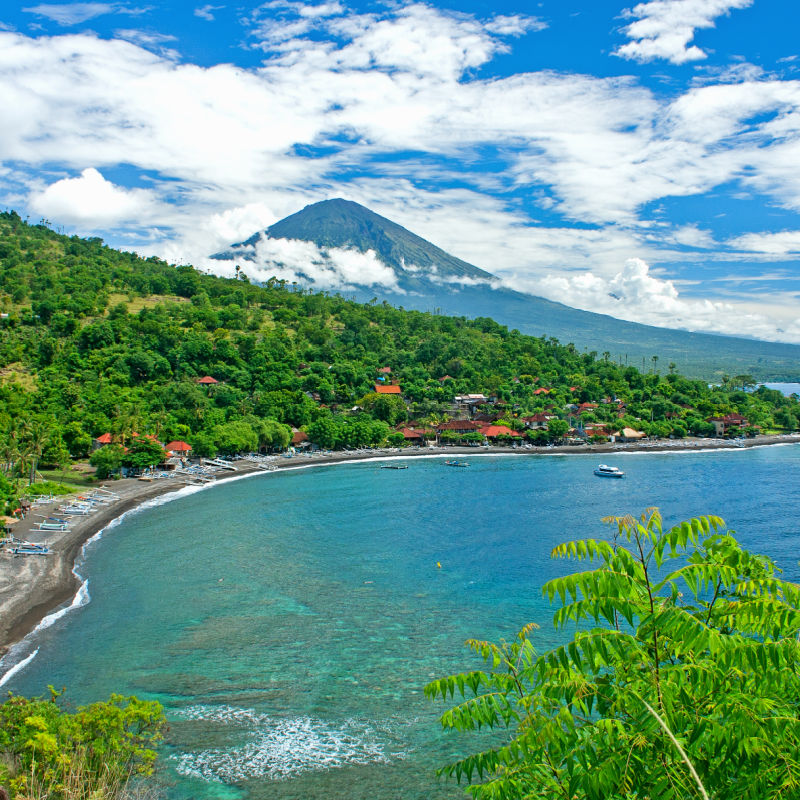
point(47, 752)
point(681, 681)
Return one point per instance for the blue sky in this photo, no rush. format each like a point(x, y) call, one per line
point(641, 160)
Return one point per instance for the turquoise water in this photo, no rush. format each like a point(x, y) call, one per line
point(289, 622)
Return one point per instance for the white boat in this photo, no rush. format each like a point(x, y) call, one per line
point(604, 471)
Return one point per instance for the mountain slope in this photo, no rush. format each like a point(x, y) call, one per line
point(429, 279)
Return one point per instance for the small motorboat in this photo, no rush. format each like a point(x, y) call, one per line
point(394, 466)
point(455, 463)
point(604, 471)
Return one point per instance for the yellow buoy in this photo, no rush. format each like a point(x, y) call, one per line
point(439, 564)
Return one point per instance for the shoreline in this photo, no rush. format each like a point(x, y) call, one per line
point(31, 587)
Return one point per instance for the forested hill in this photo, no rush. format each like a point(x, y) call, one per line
point(96, 341)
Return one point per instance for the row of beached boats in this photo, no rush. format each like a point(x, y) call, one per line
point(60, 521)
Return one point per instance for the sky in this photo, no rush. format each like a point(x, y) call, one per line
point(640, 160)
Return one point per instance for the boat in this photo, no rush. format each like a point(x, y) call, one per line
point(456, 463)
point(394, 466)
point(30, 550)
point(604, 471)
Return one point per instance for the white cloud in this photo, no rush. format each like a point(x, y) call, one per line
point(321, 10)
point(90, 200)
point(223, 143)
point(665, 28)
point(783, 243)
point(207, 12)
point(329, 268)
point(149, 40)
point(514, 24)
point(635, 294)
point(67, 14)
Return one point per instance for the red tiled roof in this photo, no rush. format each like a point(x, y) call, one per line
point(412, 433)
point(537, 418)
point(207, 380)
point(178, 446)
point(491, 431)
point(104, 439)
point(458, 425)
point(542, 390)
point(391, 389)
point(385, 370)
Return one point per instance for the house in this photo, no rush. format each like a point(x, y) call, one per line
point(493, 432)
point(460, 426)
point(415, 435)
point(722, 425)
point(178, 447)
point(391, 388)
point(471, 399)
point(542, 390)
point(385, 370)
point(300, 438)
point(101, 441)
point(538, 421)
point(628, 435)
point(207, 380)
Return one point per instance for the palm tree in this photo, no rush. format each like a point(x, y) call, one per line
point(36, 440)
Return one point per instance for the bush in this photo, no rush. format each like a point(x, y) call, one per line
point(48, 752)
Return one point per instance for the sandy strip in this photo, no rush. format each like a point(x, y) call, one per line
point(33, 586)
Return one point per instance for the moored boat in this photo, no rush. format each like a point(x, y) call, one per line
point(456, 463)
point(604, 471)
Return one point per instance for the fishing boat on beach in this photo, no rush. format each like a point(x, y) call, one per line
point(604, 471)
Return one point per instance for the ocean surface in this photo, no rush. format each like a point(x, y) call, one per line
point(289, 622)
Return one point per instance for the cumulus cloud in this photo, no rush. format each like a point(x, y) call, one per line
point(333, 268)
point(664, 28)
point(90, 199)
point(68, 14)
point(635, 294)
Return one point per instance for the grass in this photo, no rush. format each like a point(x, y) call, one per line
point(76, 475)
point(18, 373)
point(136, 304)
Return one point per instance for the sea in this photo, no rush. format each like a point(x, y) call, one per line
point(288, 622)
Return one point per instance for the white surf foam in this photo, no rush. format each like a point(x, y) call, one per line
point(279, 748)
point(17, 667)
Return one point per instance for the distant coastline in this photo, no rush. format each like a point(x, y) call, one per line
point(33, 587)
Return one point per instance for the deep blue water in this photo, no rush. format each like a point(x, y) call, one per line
point(289, 622)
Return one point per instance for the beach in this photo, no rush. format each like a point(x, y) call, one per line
point(31, 587)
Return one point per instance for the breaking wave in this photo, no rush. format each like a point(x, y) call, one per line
point(279, 748)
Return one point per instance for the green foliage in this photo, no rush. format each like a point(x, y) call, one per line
point(681, 681)
point(107, 460)
point(143, 452)
point(120, 341)
point(47, 751)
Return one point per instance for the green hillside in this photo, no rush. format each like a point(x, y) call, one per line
point(435, 282)
point(99, 341)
